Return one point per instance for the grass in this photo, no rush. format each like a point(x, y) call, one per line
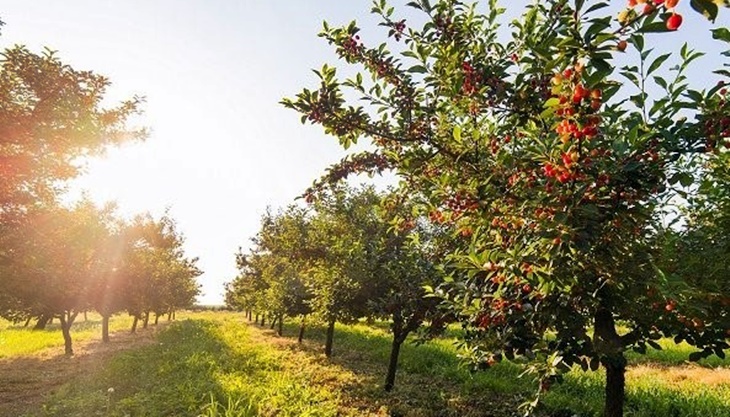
point(214, 365)
point(16, 340)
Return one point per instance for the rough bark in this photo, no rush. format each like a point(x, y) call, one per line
point(393, 363)
point(301, 331)
point(610, 347)
point(105, 328)
point(330, 338)
point(615, 386)
point(43, 320)
point(66, 323)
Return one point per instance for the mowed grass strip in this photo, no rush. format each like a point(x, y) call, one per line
point(217, 365)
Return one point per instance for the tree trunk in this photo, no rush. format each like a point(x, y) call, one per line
point(301, 331)
point(257, 320)
point(273, 323)
point(86, 318)
point(615, 386)
point(157, 319)
point(27, 322)
point(393, 363)
point(263, 320)
point(146, 320)
point(330, 338)
point(134, 324)
point(173, 315)
point(105, 328)
point(609, 346)
point(250, 315)
point(280, 329)
point(169, 315)
point(66, 323)
point(43, 320)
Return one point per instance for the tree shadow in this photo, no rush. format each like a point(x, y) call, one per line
point(430, 380)
point(29, 380)
point(148, 373)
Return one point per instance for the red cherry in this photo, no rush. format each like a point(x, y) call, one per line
point(674, 21)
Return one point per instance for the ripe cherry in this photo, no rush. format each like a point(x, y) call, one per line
point(621, 45)
point(674, 21)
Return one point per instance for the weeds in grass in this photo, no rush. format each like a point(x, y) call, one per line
point(233, 408)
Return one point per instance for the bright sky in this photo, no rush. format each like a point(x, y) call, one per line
point(221, 148)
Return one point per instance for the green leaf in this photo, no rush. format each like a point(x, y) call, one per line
point(597, 6)
point(552, 102)
point(457, 133)
point(656, 27)
point(705, 7)
point(722, 34)
point(657, 63)
point(420, 69)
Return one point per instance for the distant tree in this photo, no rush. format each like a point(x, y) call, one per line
point(406, 264)
point(158, 277)
point(347, 229)
point(55, 260)
point(272, 277)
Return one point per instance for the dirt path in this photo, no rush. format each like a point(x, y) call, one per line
point(26, 381)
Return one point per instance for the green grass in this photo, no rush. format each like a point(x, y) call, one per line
point(16, 340)
point(198, 367)
point(216, 366)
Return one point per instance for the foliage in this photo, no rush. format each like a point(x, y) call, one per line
point(51, 118)
point(551, 165)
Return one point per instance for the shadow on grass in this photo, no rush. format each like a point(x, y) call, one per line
point(28, 380)
point(174, 376)
point(430, 379)
point(432, 382)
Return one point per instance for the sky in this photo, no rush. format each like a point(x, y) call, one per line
point(221, 149)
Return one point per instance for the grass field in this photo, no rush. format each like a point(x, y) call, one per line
point(16, 340)
point(215, 364)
